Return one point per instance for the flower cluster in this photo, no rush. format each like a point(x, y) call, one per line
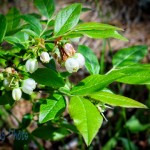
point(32, 64)
point(15, 82)
point(73, 61)
point(12, 81)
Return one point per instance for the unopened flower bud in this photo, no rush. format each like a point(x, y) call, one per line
point(16, 94)
point(28, 86)
point(80, 59)
point(31, 65)
point(10, 70)
point(44, 57)
point(6, 84)
point(69, 50)
point(71, 65)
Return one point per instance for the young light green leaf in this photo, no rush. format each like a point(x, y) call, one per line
point(53, 107)
point(3, 27)
point(46, 7)
point(67, 18)
point(116, 100)
point(91, 61)
point(129, 56)
point(13, 19)
point(95, 26)
point(29, 32)
point(11, 39)
point(86, 117)
point(94, 83)
point(48, 77)
point(34, 23)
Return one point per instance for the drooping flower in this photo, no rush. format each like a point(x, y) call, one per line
point(71, 65)
point(44, 57)
point(16, 93)
point(28, 86)
point(80, 59)
point(31, 65)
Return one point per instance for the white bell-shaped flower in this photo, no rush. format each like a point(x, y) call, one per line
point(16, 93)
point(80, 59)
point(31, 65)
point(71, 65)
point(44, 57)
point(28, 86)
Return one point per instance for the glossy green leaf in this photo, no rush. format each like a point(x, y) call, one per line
point(53, 107)
point(102, 34)
point(130, 55)
point(116, 100)
point(86, 117)
point(50, 133)
point(95, 26)
point(3, 27)
point(94, 83)
point(47, 77)
point(135, 74)
point(67, 18)
point(91, 61)
point(13, 19)
point(34, 23)
point(46, 7)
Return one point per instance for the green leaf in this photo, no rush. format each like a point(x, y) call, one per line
point(94, 83)
point(91, 61)
point(13, 19)
point(128, 144)
point(135, 126)
point(47, 77)
point(95, 26)
point(11, 39)
point(53, 107)
point(29, 32)
point(130, 55)
point(135, 74)
point(86, 117)
point(26, 120)
point(111, 143)
point(116, 100)
point(3, 27)
point(50, 132)
point(102, 34)
point(67, 18)
point(34, 23)
point(46, 7)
